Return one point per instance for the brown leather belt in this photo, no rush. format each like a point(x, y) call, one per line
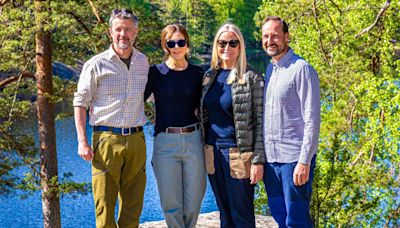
point(181, 130)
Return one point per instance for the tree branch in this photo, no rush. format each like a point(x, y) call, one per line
point(330, 19)
point(96, 12)
point(357, 158)
point(79, 20)
point(99, 18)
point(371, 157)
point(321, 44)
point(369, 28)
point(3, 2)
point(395, 213)
point(336, 6)
point(11, 79)
point(19, 150)
point(353, 109)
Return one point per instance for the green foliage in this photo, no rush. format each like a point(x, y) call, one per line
point(202, 19)
point(357, 176)
point(239, 12)
point(261, 199)
point(17, 50)
point(195, 16)
point(68, 187)
point(150, 26)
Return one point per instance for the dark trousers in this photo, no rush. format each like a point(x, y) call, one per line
point(234, 197)
point(289, 204)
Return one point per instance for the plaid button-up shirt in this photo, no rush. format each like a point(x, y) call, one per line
point(114, 93)
point(291, 110)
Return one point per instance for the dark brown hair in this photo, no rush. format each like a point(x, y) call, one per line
point(167, 32)
point(285, 26)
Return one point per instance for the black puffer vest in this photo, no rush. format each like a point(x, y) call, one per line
point(247, 102)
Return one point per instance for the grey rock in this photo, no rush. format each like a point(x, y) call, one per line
point(211, 220)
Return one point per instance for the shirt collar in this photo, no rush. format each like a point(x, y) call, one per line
point(284, 58)
point(112, 54)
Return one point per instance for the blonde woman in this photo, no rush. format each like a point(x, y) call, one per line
point(231, 118)
point(178, 158)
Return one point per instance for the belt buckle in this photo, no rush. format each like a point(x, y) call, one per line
point(185, 130)
point(123, 131)
point(167, 130)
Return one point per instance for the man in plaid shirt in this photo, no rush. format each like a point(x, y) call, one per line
point(112, 85)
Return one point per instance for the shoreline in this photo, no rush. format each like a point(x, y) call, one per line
point(211, 220)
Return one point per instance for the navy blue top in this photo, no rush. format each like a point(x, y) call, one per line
point(218, 103)
point(176, 93)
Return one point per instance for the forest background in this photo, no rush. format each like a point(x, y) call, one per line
point(353, 45)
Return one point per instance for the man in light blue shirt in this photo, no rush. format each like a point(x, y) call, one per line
point(291, 127)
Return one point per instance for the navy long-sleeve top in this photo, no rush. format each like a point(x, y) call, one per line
point(218, 102)
point(176, 94)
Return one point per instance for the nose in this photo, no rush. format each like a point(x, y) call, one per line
point(270, 39)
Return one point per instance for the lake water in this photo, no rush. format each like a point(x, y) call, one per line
point(79, 211)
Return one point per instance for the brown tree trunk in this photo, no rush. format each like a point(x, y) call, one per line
point(45, 112)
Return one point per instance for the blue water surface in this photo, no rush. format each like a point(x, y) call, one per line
point(79, 211)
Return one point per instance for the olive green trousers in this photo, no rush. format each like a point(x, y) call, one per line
point(118, 170)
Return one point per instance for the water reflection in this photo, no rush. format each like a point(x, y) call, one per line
point(79, 211)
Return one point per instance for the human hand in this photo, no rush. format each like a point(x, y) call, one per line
point(256, 173)
point(301, 174)
point(85, 151)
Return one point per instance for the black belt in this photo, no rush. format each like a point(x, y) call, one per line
point(182, 130)
point(116, 130)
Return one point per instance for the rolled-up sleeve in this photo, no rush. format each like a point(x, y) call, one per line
point(308, 90)
point(86, 87)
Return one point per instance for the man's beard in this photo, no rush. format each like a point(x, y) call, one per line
point(123, 46)
point(277, 51)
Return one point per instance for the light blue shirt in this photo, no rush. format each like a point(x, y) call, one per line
point(292, 113)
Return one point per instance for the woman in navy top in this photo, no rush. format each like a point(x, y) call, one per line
point(231, 111)
point(178, 158)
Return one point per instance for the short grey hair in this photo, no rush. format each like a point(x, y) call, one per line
point(124, 14)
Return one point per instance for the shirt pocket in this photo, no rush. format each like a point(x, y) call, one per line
point(111, 84)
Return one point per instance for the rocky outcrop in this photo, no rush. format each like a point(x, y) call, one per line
point(211, 220)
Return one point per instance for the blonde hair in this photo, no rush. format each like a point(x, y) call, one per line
point(240, 67)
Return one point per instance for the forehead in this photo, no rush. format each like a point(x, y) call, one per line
point(228, 35)
point(122, 22)
point(176, 36)
point(272, 26)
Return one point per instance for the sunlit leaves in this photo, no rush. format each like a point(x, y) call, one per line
point(357, 178)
